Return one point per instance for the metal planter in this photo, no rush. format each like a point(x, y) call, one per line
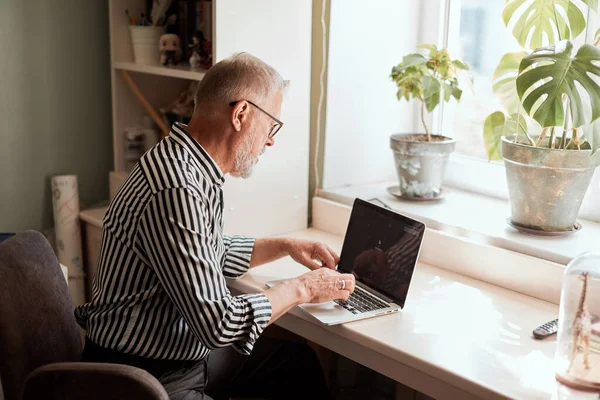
point(421, 165)
point(545, 186)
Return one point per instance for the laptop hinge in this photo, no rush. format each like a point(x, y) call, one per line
point(375, 292)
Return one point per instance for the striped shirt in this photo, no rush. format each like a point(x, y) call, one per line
point(159, 291)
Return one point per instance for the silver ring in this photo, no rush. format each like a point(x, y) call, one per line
point(343, 285)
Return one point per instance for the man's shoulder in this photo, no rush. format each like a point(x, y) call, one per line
point(168, 166)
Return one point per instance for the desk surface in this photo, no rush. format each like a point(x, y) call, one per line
point(467, 337)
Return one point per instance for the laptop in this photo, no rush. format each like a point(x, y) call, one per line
point(381, 249)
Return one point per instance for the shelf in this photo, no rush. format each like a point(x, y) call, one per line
point(183, 71)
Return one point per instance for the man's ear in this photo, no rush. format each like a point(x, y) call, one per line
point(239, 114)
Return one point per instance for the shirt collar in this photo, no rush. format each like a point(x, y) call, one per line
point(209, 167)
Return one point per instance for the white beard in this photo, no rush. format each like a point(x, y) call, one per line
point(244, 162)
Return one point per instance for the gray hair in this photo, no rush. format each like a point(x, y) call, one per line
point(240, 77)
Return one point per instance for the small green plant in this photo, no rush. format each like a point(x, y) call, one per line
point(424, 78)
point(542, 91)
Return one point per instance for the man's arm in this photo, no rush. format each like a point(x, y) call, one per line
point(174, 237)
point(242, 253)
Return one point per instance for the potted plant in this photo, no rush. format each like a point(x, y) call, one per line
point(421, 158)
point(548, 132)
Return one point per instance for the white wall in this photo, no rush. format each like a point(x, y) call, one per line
point(367, 38)
point(273, 199)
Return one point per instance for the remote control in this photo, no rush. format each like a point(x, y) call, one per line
point(548, 329)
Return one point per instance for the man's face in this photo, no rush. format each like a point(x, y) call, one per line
point(255, 139)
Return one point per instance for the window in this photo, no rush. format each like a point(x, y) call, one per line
point(476, 35)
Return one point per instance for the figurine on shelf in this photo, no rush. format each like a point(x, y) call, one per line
point(170, 49)
point(582, 326)
point(201, 51)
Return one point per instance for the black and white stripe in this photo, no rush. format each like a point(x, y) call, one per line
point(159, 290)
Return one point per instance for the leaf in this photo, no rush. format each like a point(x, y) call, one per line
point(540, 19)
point(431, 92)
point(550, 72)
point(447, 91)
point(456, 92)
point(596, 35)
point(411, 60)
point(460, 65)
point(504, 86)
point(497, 125)
point(593, 4)
point(591, 133)
point(431, 47)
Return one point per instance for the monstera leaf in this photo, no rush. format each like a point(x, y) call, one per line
point(536, 18)
point(591, 133)
point(549, 72)
point(497, 125)
point(504, 85)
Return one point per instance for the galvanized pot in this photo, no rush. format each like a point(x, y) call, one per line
point(545, 186)
point(420, 165)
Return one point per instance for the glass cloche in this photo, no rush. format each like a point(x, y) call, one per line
point(578, 343)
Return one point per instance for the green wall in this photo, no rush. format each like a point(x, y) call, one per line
point(55, 115)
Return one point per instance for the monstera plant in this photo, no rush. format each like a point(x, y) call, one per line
point(421, 158)
point(549, 131)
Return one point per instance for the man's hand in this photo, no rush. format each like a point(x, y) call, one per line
point(312, 254)
point(323, 285)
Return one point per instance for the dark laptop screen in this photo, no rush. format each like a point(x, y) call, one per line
point(381, 249)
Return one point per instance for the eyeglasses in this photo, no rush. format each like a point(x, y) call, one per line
point(275, 128)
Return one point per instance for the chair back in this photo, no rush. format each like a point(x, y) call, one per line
point(37, 325)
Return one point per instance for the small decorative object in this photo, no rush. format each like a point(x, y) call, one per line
point(578, 342)
point(170, 49)
point(421, 158)
point(201, 51)
point(146, 30)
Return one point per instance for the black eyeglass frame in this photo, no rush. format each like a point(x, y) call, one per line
point(278, 124)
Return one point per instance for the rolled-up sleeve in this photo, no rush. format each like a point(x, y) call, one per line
point(175, 237)
point(238, 251)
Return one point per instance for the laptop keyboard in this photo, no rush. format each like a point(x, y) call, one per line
point(361, 301)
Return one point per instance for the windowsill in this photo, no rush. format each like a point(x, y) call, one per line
point(478, 218)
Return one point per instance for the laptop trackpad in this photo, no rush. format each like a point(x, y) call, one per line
point(326, 312)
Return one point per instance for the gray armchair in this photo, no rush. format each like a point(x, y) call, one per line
point(40, 346)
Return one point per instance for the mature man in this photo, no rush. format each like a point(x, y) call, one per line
point(160, 300)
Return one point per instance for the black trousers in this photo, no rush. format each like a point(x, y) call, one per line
point(276, 369)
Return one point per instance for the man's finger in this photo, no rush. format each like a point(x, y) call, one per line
point(307, 262)
point(336, 258)
point(325, 257)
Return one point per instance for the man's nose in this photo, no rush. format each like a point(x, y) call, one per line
point(270, 141)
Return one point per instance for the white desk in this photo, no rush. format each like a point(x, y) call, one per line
point(457, 338)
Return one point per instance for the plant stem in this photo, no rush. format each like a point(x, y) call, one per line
point(552, 137)
point(576, 139)
point(567, 123)
point(423, 121)
point(543, 135)
point(562, 144)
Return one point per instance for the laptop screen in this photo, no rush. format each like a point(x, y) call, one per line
point(381, 248)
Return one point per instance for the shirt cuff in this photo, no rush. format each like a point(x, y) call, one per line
point(259, 313)
point(238, 251)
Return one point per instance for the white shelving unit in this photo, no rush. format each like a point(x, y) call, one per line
point(182, 71)
point(275, 199)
